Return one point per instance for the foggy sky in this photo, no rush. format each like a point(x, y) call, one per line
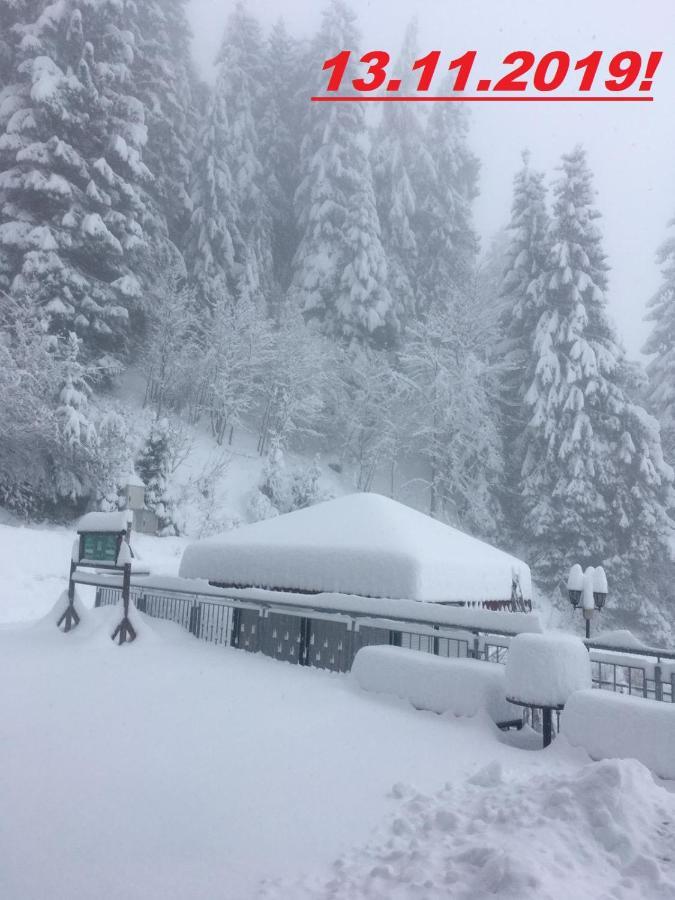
point(631, 147)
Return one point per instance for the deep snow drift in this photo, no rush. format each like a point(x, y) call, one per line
point(171, 769)
point(602, 831)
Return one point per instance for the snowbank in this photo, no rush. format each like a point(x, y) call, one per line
point(619, 726)
point(363, 544)
point(602, 831)
point(544, 669)
point(463, 687)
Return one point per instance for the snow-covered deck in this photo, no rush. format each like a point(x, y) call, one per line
point(362, 544)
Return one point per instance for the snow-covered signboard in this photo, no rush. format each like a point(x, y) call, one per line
point(101, 536)
point(362, 544)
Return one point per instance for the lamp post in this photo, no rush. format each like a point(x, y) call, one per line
point(587, 590)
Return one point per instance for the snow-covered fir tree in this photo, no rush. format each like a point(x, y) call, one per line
point(241, 83)
point(74, 473)
point(77, 226)
point(340, 269)
point(593, 480)
point(519, 308)
point(447, 241)
point(165, 82)
point(213, 244)
point(279, 132)
point(153, 466)
point(402, 165)
point(661, 345)
point(28, 373)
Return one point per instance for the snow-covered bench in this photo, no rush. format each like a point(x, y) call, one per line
point(617, 726)
point(462, 687)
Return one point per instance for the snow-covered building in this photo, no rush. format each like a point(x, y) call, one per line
point(133, 493)
point(362, 544)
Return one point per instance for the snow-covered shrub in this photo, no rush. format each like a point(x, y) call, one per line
point(282, 491)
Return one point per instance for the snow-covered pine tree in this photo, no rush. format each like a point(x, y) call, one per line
point(401, 166)
point(519, 311)
point(152, 465)
point(340, 269)
point(74, 474)
point(279, 131)
point(594, 482)
point(12, 13)
point(76, 222)
point(447, 241)
point(164, 81)
point(213, 243)
point(241, 86)
point(661, 345)
point(28, 373)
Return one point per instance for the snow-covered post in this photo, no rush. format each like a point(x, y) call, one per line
point(70, 619)
point(125, 630)
point(587, 601)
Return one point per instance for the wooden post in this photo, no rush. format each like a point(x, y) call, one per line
point(70, 618)
point(125, 632)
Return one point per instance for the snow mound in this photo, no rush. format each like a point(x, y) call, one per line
point(544, 669)
point(607, 830)
point(61, 605)
point(619, 726)
point(463, 687)
point(363, 544)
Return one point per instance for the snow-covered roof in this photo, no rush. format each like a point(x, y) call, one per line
point(363, 544)
point(132, 480)
point(103, 521)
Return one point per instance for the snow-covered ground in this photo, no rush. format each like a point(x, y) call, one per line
point(173, 769)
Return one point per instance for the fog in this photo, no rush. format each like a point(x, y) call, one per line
point(630, 145)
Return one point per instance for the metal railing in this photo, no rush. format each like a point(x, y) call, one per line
point(328, 640)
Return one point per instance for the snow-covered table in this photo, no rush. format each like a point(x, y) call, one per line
point(543, 670)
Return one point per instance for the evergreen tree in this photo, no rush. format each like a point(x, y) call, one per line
point(661, 343)
point(164, 81)
point(213, 243)
point(77, 227)
point(153, 466)
point(75, 466)
point(402, 165)
point(520, 309)
point(28, 373)
point(279, 130)
point(594, 482)
point(340, 269)
point(447, 241)
point(241, 86)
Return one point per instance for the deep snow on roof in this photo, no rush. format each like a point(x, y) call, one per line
point(362, 544)
point(104, 521)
